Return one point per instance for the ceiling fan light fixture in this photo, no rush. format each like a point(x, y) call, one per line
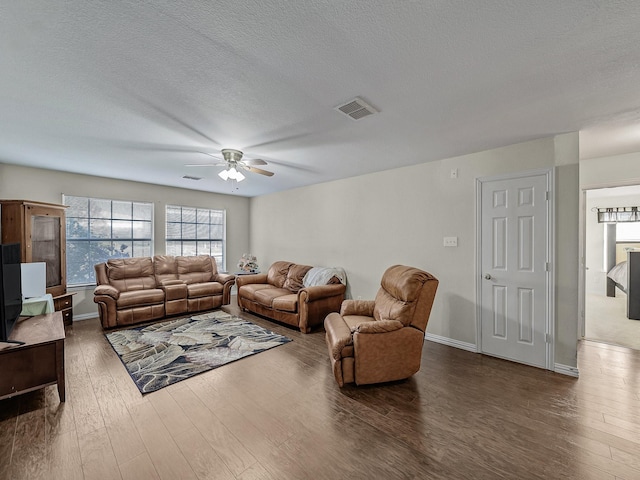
point(231, 174)
point(234, 163)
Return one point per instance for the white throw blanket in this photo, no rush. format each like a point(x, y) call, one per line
point(322, 275)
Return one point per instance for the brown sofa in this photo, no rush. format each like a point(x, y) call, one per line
point(134, 290)
point(281, 295)
point(373, 341)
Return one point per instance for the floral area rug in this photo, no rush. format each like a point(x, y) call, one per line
point(167, 352)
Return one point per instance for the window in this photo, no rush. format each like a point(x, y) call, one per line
point(196, 231)
point(99, 229)
point(628, 232)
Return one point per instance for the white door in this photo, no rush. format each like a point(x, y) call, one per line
point(514, 262)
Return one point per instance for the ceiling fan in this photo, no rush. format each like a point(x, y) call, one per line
point(233, 163)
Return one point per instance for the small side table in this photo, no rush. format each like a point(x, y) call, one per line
point(39, 361)
point(64, 303)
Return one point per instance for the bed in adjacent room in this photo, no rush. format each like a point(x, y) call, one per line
point(625, 275)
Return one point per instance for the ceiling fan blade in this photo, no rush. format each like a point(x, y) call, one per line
point(205, 164)
point(254, 161)
point(259, 170)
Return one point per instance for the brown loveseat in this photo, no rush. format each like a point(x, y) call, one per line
point(134, 290)
point(372, 341)
point(280, 294)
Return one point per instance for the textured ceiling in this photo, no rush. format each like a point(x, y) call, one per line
point(137, 89)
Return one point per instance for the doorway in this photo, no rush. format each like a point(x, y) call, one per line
point(605, 316)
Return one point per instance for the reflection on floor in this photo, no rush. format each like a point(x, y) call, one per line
point(606, 321)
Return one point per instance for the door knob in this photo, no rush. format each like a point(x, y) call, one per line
point(487, 276)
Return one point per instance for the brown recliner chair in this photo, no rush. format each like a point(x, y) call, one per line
point(373, 341)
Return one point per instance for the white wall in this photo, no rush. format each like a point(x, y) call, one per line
point(48, 186)
point(610, 171)
point(367, 223)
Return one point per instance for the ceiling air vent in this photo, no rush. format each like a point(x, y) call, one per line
point(356, 109)
point(189, 177)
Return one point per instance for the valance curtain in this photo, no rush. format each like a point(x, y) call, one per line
point(618, 214)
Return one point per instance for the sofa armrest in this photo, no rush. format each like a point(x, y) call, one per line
point(106, 296)
point(174, 291)
point(357, 307)
point(224, 278)
point(107, 290)
point(381, 326)
point(311, 294)
point(338, 334)
point(247, 279)
point(227, 280)
point(315, 303)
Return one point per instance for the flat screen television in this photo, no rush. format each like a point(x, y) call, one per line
point(10, 288)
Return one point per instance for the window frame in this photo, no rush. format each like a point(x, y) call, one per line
point(89, 238)
point(222, 262)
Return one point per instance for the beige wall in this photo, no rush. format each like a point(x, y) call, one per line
point(49, 186)
point(367, 223)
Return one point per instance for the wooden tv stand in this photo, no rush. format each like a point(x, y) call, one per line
point(39, 361)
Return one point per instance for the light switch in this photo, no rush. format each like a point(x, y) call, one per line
point(450, 241)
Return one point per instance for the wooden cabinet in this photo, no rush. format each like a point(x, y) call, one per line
point(40, 229)
point(39, 359)
point(64, 304)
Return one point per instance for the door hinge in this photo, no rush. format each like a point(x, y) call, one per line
point(547, 338)
point(546, 195)
point(547, 267)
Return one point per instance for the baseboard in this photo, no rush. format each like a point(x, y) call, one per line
point(566, 370)
point(471, 347)
point(85, 316)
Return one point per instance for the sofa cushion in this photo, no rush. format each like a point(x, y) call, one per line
point(248, 291)
point(266, 295)
point(197, 269)
point(140, 298)
point(196, 290)
point(295, 275)
point(388, 307)
point(277, 273)
point(353, 321)
point(398, 293)
point(286, 303)
point(128, 274)
point(165, 268)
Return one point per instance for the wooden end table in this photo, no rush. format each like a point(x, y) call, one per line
point(38, 362)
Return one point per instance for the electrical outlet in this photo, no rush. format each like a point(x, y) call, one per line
point(450, 241)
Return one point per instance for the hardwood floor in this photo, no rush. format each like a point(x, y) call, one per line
point(280, 415)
